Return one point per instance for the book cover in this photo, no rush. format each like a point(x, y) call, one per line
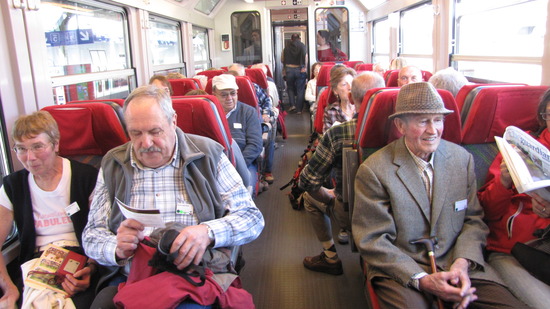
point(51, 267)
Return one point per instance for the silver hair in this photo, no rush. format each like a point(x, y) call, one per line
point(448, 79)
point(160, 96)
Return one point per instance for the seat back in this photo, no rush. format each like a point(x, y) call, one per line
point(391, 77)
point(374, 129)
point(257, 76)
point(211, 73)
point(323, 78)
point(426, 75)
point(115, 105)
point(88, 130)
point(247, 93)
point(491, 111)
point(323, 100)
point(351, 64)
point(466, 94)
point(117, 101)
point(203, 115)
point(364, 67)
point(183, 85)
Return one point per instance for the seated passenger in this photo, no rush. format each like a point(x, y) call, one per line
point(174, 75)
point(161, 82)
point(379, 68)
point(415, 189)
point(38, 199)
point(311, 89)
point(268, 118)
point(448, 79)
point(322, 203)
point(409, 74)
point(342, 109)
point(398, 63)
point(513, 217)
point(243, 123)
point(187, 177)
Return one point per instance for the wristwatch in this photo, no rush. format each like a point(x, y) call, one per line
point(210, 233)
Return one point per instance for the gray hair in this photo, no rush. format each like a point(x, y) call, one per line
point(237, 67)
point(448, 79)
point(364, 82)
point(160, 96)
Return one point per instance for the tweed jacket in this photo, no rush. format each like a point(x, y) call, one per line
point(392, 208)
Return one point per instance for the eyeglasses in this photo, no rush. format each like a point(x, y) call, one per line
point(36, 149)
point(226, 94)
point(545, 116)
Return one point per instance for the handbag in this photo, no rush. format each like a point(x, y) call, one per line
point(534, 255)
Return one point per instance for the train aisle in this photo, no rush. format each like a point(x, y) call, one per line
point(274, 273)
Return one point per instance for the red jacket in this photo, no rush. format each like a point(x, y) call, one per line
point(500, 205)
point(145, 289)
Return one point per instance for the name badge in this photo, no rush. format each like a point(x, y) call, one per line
point(461, 205)
point(72, 209)
point(184, 209)
point(237, 125)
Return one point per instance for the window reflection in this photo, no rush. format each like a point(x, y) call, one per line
point(332, 36)
point(247, 40)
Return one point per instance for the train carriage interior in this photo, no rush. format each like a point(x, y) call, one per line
point(80, 59)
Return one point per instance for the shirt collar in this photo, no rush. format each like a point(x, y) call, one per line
point(421, 163)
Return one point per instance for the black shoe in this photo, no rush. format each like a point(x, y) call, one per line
point(319, 263)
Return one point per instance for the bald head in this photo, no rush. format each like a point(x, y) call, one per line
point(237, 67)
point(409, 74)
point(363, 83)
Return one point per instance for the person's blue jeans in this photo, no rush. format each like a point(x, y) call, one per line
point(296, 87)
point(191, 305)
point(253, 170)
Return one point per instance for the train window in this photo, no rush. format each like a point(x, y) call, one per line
point(206, 6)
point(247, 37)
point(332, 36)
point(201, 53)
point(164, 38)
point(416, 26)
point(500, 40)
point(380, 41)
point(87, 50)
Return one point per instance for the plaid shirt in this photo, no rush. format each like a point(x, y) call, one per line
point(163, 188)
point(264, 101)
point(328, 157)
point(332, 114)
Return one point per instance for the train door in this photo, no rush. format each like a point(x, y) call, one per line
point(284, 23)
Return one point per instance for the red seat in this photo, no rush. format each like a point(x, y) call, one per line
point(183, 86)
point(374, 129)
point(247, 93)
point(364, 67)
point(391, 77)
point(203, 115)
point(323, 100)
point(211, 73)
point(352, 64)
point(426, 75)
point(323, 78)
point(117, 101)
point(87, 128)
point(496, 107)
point(257, 76)
point(466, 94)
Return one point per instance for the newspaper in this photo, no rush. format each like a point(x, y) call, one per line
point(50, 268)
point(528, 161)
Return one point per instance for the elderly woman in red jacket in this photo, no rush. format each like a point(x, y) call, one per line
point(513, 217)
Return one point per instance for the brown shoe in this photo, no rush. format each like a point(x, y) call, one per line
point(268, 177)
point(319, 263)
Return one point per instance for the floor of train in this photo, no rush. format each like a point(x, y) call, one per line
point(274, 273)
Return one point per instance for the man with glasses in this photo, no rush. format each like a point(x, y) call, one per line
point(244, 123)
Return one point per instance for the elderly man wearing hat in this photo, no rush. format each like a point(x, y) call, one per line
point(243, 122)
point(415, 190)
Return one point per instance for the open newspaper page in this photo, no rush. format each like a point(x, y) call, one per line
point(527, 160)
point(50, 268)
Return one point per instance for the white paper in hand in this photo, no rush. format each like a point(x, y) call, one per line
point(147, 217)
